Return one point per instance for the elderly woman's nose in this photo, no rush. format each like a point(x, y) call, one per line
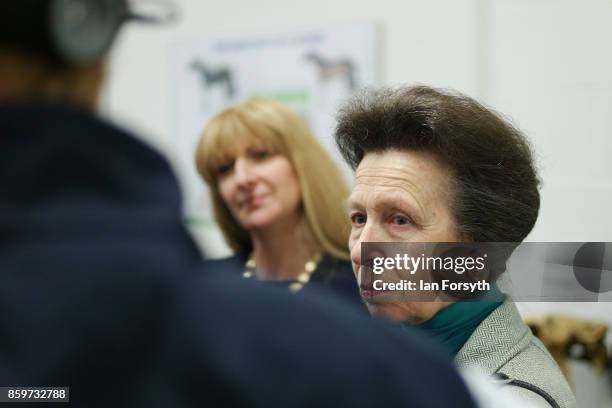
point(356, 252)
point(364, 253)
point(369, 233)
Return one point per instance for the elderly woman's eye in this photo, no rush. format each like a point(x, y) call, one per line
point(401, 220)
point(358, 219)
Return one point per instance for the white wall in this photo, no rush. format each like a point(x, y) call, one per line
point(431, 42)
point(549, 65)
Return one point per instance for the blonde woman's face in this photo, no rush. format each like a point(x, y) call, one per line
point(259, 188)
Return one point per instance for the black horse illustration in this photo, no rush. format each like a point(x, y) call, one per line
point(329, 68)
point(215, 76)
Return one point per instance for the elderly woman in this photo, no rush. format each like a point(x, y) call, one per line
point(278, 199)
point(436, 166)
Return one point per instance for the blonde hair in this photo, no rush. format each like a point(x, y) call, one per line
point(267, 123)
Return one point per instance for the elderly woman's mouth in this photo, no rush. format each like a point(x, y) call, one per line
point(368, 293)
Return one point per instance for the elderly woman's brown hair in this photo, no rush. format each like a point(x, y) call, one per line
point(265, 122)
point(495, 194)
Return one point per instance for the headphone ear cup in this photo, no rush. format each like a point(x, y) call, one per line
point(82, 31)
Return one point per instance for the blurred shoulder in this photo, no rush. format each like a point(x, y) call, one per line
point(257, 337)
point(337, 275)
point(335, 269)
point(233, 264)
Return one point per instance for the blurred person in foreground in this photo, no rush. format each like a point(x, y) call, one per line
point(278, 198)
point(101, 288)
point(437, 166)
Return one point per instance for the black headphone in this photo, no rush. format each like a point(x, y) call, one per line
point(74, 32)
point(82, 31)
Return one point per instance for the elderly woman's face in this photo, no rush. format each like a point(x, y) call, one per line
point(400, 196)
point(260, 188)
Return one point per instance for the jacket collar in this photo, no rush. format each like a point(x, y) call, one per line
point(46, 148)
point(499, 337)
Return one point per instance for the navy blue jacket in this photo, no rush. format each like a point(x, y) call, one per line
point(102, 290)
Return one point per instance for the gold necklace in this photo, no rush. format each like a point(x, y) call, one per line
point(302, 279)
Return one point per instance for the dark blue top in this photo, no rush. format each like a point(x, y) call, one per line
point(333, 276)
point(102, 290)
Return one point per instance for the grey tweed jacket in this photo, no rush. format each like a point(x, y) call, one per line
point(503, 343)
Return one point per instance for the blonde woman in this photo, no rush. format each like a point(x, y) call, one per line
point(278, 198)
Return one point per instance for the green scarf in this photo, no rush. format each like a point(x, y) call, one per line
point(453, 325)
